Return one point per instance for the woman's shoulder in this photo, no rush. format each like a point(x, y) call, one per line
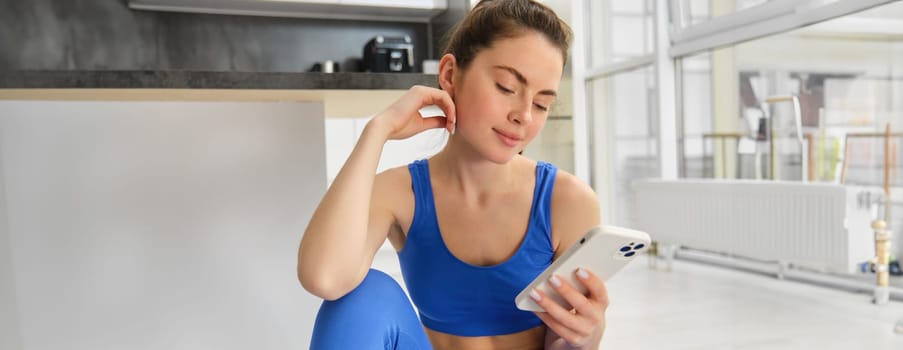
point(568, 189)
point(575, 209)
point(567, 186)
point(393, 179)
point(571, 189)
point(392, 191)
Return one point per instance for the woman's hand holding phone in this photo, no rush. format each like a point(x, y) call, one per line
point(585, 324)
point(570, 295)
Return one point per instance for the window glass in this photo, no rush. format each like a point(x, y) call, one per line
point(797, 96)
point(620, 30)
point(698, 11)
point(622, 104)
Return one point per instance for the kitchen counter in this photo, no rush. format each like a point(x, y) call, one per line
point(343, 94)
point(211, 80)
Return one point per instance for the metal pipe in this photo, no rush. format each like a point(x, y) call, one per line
point(773, 269)
point(882, 259)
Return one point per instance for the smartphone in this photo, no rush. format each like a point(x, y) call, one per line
point(604, 250)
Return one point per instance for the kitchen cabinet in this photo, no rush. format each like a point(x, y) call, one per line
point(379, 10)
point(156, 224)
point(414, 4)
point(161, 209)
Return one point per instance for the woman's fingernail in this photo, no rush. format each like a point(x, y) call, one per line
point(582, 274)
point(555, 281)
point(535, 295)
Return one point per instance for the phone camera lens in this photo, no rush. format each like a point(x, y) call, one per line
point(639, 246)
point(625, 249)
point(629, 254)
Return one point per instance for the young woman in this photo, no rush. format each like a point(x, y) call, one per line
point(474, 224)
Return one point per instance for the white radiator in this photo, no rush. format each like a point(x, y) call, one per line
point(818, 226)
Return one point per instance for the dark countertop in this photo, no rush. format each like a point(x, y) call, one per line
point(343, 94)
point(211, 80)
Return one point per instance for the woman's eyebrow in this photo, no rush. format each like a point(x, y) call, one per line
point(520, 77)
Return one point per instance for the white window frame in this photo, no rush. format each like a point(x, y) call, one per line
point(760, 21)
point(672, 43)
point(585, 160)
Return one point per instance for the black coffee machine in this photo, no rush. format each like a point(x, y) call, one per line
point(389, 54)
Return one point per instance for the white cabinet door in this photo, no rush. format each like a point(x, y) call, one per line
point(342, 134)
point(423, 4)
point(334, 2)
point(381, 10)
point(156, 225)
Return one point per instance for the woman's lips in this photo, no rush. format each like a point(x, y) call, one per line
point(508, 139)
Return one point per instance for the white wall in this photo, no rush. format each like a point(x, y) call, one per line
point(156, 225)
point(9, 324)
point(342, 134)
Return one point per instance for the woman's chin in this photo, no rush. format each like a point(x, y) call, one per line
point(501, 157)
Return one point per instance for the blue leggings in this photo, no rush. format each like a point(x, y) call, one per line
point(375, 315)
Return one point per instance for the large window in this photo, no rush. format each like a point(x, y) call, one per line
point(624, 105)
point(740, 88)
point(809, 104)
point(621, 101)
point(781, 107)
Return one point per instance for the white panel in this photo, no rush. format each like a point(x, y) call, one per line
point(627, 6)
point(698, 8)
point(629, 40)
point(817, 226)
point(160, 225)
point(427, 4)
point(697, 91)
point(401, 152)
point(10, 337)
point(342, 135)
point(631, 106)
point(340, 139)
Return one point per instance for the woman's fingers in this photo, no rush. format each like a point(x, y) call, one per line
point(598, 293)
point(561, 330)
point(434, 122)
point(566, 318)
point(403, 117)
point(442, 100)
point(586, 319)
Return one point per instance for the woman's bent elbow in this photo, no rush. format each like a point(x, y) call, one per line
point(322, 284)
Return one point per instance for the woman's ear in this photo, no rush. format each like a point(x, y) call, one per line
point(448, 66)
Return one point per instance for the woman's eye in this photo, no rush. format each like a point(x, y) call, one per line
point(504, 89)
point(541, 107)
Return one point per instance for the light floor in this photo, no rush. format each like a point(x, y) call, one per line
point(698, 306)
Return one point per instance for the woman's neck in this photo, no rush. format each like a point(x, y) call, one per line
point(475, 176)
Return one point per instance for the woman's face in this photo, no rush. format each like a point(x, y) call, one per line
point(503, 98)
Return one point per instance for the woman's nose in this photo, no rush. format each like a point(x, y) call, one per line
point(521, 114)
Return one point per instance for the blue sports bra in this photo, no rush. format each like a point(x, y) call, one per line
point(459, 298)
